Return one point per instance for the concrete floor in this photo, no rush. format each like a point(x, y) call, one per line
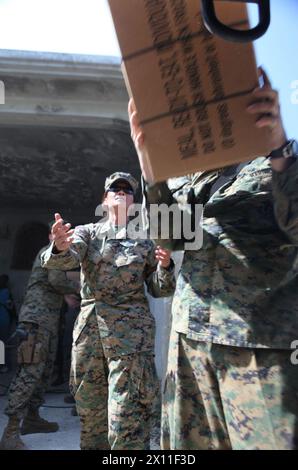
point(54, 409)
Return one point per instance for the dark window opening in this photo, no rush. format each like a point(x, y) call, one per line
point(30, 238)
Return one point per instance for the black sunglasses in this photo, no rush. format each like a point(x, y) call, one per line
point(117, 189)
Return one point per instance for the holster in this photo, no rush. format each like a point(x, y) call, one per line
point(30, 350)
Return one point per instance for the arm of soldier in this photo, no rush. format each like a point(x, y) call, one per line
point(285, 196)
point(159, 273)
point(59, 281)
point(285, 170)
point(156, 194)
point(68, 247)
point(173, 213)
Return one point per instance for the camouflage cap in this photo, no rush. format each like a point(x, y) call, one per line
point(110, 180)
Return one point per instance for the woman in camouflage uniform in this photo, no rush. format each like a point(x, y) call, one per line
point(113, 374)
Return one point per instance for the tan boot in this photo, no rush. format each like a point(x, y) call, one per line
point(33, 423)
point(11, 439)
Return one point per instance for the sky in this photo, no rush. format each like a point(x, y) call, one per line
point(73, 26)
point(85, 27)
point(277, 52)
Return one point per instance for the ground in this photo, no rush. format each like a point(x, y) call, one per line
point(54, 409)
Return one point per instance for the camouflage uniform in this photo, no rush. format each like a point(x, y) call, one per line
point(39, 315)
point(113, 372)
point(230, 382)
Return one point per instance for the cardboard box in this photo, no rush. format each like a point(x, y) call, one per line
point(190, 88)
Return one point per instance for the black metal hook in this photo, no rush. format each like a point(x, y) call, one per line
point(225, 32)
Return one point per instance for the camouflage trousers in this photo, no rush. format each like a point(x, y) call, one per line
point(224, 397)
point(114, 395)
point(28, 386)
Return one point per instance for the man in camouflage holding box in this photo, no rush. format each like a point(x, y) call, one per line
point(230, 382)
point(38, 332)
point(113, 375)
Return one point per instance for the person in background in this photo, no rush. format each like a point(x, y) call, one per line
point(37, 332)
point(7, 316)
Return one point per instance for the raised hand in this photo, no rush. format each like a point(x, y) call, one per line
point(138, 137)
point(163, 256)
point(265, 105)
point(61, 234)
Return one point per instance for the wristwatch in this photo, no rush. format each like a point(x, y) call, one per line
point(287, 150)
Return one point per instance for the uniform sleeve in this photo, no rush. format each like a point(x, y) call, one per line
point(71, 258)
point(285, 195)
point(180, 198)
point(160, 282)
point(60, 283)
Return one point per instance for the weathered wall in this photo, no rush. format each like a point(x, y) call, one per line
point(63, 129)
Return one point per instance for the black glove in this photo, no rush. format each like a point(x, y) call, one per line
point(19, 335)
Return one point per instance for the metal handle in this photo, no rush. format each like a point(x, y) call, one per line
point(225, 32)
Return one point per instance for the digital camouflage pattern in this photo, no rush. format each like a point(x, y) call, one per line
point(40, 312)
point(113, 271)
point(125, 385)
point(242, 398)
point(44, 296)
point(230, 382)
point(28, 386)
point(113, 372)
point(236, 289)
point(119, 175)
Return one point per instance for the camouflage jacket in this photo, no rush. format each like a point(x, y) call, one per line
point(240, 288)
point(113, 271)
point(44, 295)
